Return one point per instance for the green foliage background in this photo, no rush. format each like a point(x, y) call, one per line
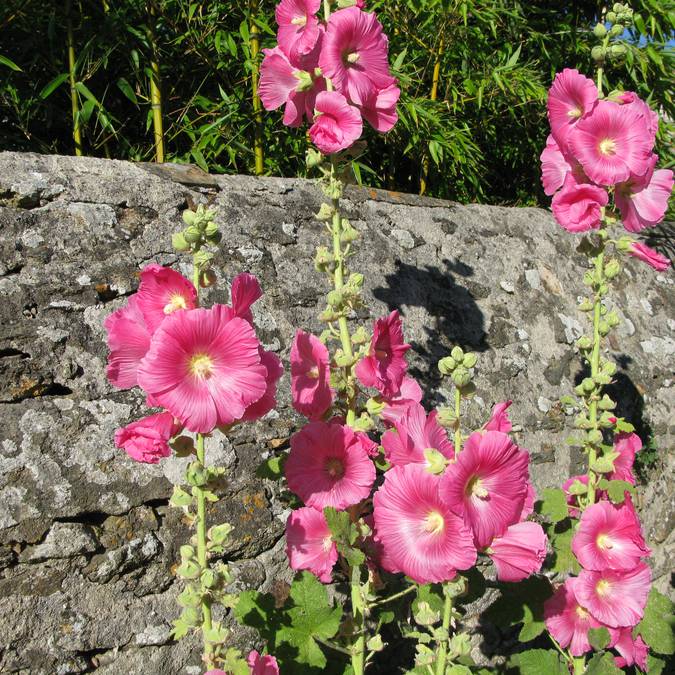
point(480, 139)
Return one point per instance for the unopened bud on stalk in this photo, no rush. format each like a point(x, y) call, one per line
point(187, 552)
point(612, 268)
point(470, 360)
point(447, 365)
point(314, 158)
point(617, 51)
point(600, 31)
point(594, 436)
point(457, 353)
point(189, 217)
point(598, 53)
point(611, 17)
point(349, 233)
point(446, 418)
point(461, 376)
point(192, 235)
point(584, 342)
point(179, 242)
point(325, 212)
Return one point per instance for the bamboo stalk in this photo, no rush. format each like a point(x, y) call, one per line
point(426, 162)
point(155, 86)
point(74, 102)
point(257, 105)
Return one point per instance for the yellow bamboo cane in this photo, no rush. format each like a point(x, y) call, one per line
point(74, 102)
point(257, 105)
point(426, 162)
point(155, 87)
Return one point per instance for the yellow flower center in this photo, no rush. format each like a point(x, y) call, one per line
point(607, 146)
point(177, 301)
point(201, 366)
point(353, 57)
point(575, 112)
point(603, 541)
point(313, 373)
point(299, 20)
point(434, 523)
point(603, 587)
point(476, 489)
point(327, 543)
point(335, 468)
point(581, 612)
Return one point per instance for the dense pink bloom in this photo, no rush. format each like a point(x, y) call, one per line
point(336, 123)
point(268, 400)
point(627, 445)
point(632, 100)
point(396, 406)
point(163, 291)
point(128, 341)
point(499, 420)
point(554, 167)
point(385, 366)
point(204, 367)
point(570, 98)
point(643, 200)
point(369, 445)
point(298, 26)
point(420, 535)
point(262, 665)
point(487, 484)
point(633, 651)
point(519, 552)
point(379, 109)
point(309, 545)
point(578, 206)
point(354, 55)
point(609, 537)
point(648, 255)
point(412, 435)
point(612, 143)
point(243, 295)
point(147, 440)
point(615, 597)
point(310, 376)
point(567, 620)
point(328, 465)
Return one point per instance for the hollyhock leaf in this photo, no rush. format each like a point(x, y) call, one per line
point(655, 665)
point(538, 661)
point(616, 489)
point(564, 560)
point(458, 670)
point(338, 523)
point(602, 663)
point(656, 627)
point(431, 595)
point(180, 498)
point(598, 637)
point(554, 504)
point(271, 468)
point(180, 629)
point(258, 610)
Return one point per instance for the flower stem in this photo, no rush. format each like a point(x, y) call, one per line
point(396, 596)
point(201, 551)
point(358, 650)
point(77, 131)
point(458, 429)
point(257, 105)
point(579, 663)
point(442, 655)
point(155, 87)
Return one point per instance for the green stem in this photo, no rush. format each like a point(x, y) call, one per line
point(396, 596)
point(257, 105)
point(579, 663)
point(458, 429)
point(155, 87)
point(201, 551)
point(605, 43)
point(442, 655)
point(77, 132)
point(358, 649)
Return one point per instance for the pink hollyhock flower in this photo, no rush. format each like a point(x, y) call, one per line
point(337, 125)
point(329, 466)
point(298, 26)
point(268, 400)
point(643, 200)
point(204, 367)
point(648, 255)
point(262, 665)
point(147, 440)
point(578, 206)
point(309, 544)
point(611, 143)
point(627, 445)
point(354, 55)
point(163, 291)
point(633, 651)
point(609, 537)
point(244, 294)
point(570, 98)
point(385, 366)
point(310, 376)
point(420, 535)
point(567, 620)
point(615, 597)
point(412, 435)
point(528, 505)
point(499, 420)
point(396, 406)
point(379, 109)
point(554, 167)
point(128, 341)
point(631, 99)
point(487, 484)
point(572, 499)
point(370, 446)
point(519, 552)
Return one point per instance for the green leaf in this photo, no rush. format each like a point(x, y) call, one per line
point(656, 627)
point(655, 665)
point(598, 637)
point(127, 90)
point(561, 540)
point(458, 670)
point(84, 90)
point(554, 504)
point(602, 664)
point(338, 523)
point(180, 629)
point(271, 468)
point(180, 497)
point(540, 662)
point(616, 489)
point(5, 61)
point(48, 89)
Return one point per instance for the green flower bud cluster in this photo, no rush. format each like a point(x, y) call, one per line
point(617, 20)
point(201, 230)
point(459, 367)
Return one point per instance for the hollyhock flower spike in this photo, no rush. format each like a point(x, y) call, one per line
point(128, 342)
point(162, 292)
point(355, 55)
point(385, 365)
point(396, 406)
point(578, 207)
point(609, 537)
point(570, 98)
point(309, 545)
point(245, 293)
point(412, 435)
point(204, 367)
point(643, 200)
point(310, 376)
point(298, 26)
point(615, 597)
point(612, 143)
point(337, 125)
point(499, 420)
point(648, 255)
point(419, 534)
point(567, 620)
point(487, 485)
point(633, 650)
point(627, 445)
point(554, 167)
point(329, 466)
point(147, 440)
point(519, 552)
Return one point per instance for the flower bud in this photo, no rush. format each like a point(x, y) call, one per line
point(608, 368)
point(356, 280)
point(313, 158)
point(447, 365)
point(598, 53)
point(585, 305)
point(588, 384)
point(612, 268)
point(375, 407)
point(187, 552)
point(594, 436)
point(600, 31)
point(325, 212)
point(189, 569)
point(617, 51)
point(207, 279)
point(305, 81)
point(192, 235)
point(219, 533)
point(349, 233)
point(211, 229)
point(360, 336)
point(615, 31)
point(196, 475)
point(179, 242)
point(606, 403)
point(436, 462)
point(446, 418)
point(470, 360)
point(611, 17)
point(209, 578)
point(624, 244)
point(457, 353)
point(618, 7)
point(189, 217)
point(334, 298)
point(461, 376)
point(584, 342)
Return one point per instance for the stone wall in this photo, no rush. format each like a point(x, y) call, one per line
point(87, 541)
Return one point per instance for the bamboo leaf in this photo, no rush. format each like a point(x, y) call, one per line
point(49, 89)
point(6, 61)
